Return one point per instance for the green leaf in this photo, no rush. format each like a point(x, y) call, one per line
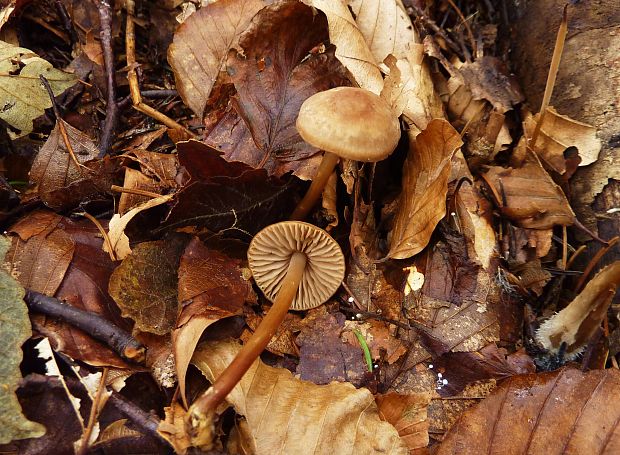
point(14, 330)
point(23, 96)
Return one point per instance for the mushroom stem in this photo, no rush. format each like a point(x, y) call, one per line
point(328, 163)
point(203, 408)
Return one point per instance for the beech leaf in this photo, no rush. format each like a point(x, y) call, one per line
point(425, 185)
point(284, 414)
point(564, 412)
point(200, 46)
point(23, 96)
point(15, 330)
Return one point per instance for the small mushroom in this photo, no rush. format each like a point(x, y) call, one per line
point(345, 122)
point(297, 265)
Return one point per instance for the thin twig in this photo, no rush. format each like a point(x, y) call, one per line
point(137, 191)
point(66, 20)
point(93, 324)
point(467, 27)
point(428, 22)
point(111, 118)
point(104, 234)
point(141, 419)
point(95, 408)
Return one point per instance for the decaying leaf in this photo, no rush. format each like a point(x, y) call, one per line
point(23, 96)
point(334, 418)
point(408, 414)
point(351, 47)
point(425, 185)
point(172, 428)
point(528, 196)
point(15, 329)
point(273, 77)
point(526, 413)
point(211, 287)
point(136, 180)
point(576, 323)
point(145, 285)
point(200, 46)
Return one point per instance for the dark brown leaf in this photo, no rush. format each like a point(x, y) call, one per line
point(276, 71)
point(525, 414)
point(145, 285)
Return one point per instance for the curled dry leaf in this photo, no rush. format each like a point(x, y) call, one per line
point(559, 132)
point(145, 284)
point(200, 46)
point(284, 414)
point(528, 196)
point(526, 413)
point(136, 180)
point(408, 414)
point(576, 323)
point(24, 97)
point(15, 329)
point(280, 64)
point(351, 47)
point(211, 287)
point(424, 188)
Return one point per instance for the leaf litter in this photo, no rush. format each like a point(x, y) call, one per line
point(462, 282)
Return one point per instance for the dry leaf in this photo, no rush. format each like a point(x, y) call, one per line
point(576, 323)
point(211, 287)
point(172, 428)
point(408, 414)
point(284, 414)
point(528, 196)
point(200, 46)
point(564, 412)
point(116, 232)
point(136, 180)
point(351, 47)
point(425, 185)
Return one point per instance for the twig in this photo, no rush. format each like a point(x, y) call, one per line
point(467, 27)
point(111, 118)
point(553, 72)
point(93, 324)
point(427, 21)
point(104, 234)
point(156, 94)
point(66, 20)
point(132, 76)
point(141, 419)
point(60, 123)
point(95, 408)
point(597, 257)
point(137, 191)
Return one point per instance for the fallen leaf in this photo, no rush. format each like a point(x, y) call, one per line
point(525, 413)
point(284, 414)
point(408, 414)
point(172, 428)
point(200, 46)
point(424, 188)
point(116, 232)
point(351, 47)
point(136, 180)
point(15, 330)
point(382, 344)
point(40, 263)
point(283, 341)
point(211, 287)
point(23, 95)
point(273, 78)
point(145, 284)
point(576, 323)
point(163, 167)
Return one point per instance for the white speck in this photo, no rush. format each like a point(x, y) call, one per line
point(376, 366)
point(445, 381)
point(439, 375)
point(351, 300)
point(452, 213)
point(353, 318)
point(359, 315)
point(430, 367)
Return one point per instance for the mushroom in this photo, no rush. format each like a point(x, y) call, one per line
point(297, 265)
point(345, 122)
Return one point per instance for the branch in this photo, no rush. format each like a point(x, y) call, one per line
point(93, 324)
point(111, 118)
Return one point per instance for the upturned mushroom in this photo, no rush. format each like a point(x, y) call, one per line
point(298, 266)
point(344, 122)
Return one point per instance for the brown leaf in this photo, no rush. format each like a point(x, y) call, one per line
point(324, 358)
point(172, 428)
point(408, 414)
point(284, 414)
point(136, 180)
point(283, 341)
point(227, 195)
point(40, 263)
point(200, 46)
point(525, 413)
point(163, 167)
point(145, 285)
point(380, 341)
point(576, 323)
point(211, 287)
point(351, 47)
point(273, 78)
point(425, 185)
point(528, 196)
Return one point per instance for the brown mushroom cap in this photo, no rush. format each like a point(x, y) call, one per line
point(351, 122)
point(270, 252)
